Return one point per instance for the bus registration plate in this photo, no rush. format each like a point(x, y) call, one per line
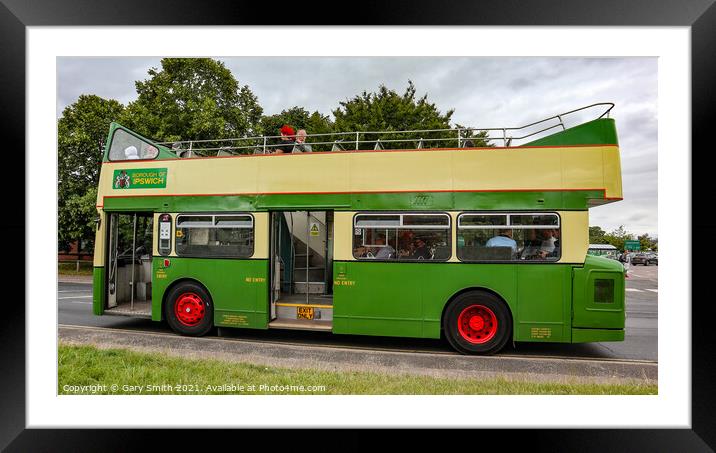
point(304, 312)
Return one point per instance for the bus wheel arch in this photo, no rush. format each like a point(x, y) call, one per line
point(188, 307)
point(477, 321)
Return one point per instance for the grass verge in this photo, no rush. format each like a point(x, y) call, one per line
point(90, 370)
point(70, 268)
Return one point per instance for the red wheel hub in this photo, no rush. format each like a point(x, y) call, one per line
point(477, 324)
point(189, 309)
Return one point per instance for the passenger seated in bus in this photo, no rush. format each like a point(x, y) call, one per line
point(421, 252)
point(503, 239)
point(383, 251)
point(468, 144)
point(555, 252)
point(301, 145)
point(406, 243)
point(286, 142)
point(131, 152)
point(548, 243)
point(531, 245)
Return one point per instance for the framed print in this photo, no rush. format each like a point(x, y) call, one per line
point(40, 38)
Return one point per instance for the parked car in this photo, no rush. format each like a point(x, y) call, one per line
point(645, 259)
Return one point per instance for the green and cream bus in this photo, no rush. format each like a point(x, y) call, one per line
point(481, 245)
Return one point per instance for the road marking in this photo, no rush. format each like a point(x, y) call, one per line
point(653, 290)
point(74, 297)
point(634, 289)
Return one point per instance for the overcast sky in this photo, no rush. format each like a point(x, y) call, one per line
point(485, 92)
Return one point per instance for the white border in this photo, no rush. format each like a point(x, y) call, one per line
point(671, 408)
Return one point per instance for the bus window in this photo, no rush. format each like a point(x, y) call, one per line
point(401, 237)
point(126, 146)
point(214, 236)
point(508, 237)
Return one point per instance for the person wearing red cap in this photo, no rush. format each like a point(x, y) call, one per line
point(286, 141)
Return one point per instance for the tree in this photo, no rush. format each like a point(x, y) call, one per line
point(300, 118)
point(77, 219)
point(478, 139)
point(193, 99)
point(597, 235)
point(647, 242)
point(386, 110)
point(81, 134)
point(618, 237)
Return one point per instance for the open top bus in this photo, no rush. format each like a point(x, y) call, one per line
point(398, 233)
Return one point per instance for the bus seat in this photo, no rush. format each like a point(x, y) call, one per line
point(442, 252)
point(481, 253)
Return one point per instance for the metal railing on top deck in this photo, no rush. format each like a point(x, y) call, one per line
point(347, 141)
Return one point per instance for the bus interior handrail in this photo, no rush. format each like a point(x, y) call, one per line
point(261, 143)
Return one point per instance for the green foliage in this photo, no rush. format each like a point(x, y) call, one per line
point(386, 110)
point(597, 235)
point(70, 268)
point(479, 139)
point(648, 243)
point(89, 365)
point(192, 99)
point(82, 132)
point(76, 218)
point(300, 118)
point(81, 135)
point(618, 236)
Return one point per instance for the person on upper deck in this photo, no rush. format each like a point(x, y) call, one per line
point(286, 142)
point(301, 145)
point(131, 152)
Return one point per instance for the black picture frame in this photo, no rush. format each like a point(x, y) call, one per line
point(700, 15)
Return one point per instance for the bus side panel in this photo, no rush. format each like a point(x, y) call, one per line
point(375, 298)
point(407, 299)
point(599, 296)
point(544, 303)
point(98, 291)
point(394, 299)
point(238, 287)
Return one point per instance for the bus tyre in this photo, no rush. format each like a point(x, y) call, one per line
point(477, 323)
point(189, 310)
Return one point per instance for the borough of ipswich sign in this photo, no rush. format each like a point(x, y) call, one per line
point(140, 178)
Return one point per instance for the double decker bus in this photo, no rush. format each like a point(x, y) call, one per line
point(398, 233)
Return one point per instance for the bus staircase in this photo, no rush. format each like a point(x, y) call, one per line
point(308, 288)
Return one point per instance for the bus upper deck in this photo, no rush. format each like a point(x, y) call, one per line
point(574, 168)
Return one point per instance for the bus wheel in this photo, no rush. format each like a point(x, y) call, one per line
point(189, 310)
point(477, 323)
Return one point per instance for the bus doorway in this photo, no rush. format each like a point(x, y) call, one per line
point(301, 269)
point(129, 275)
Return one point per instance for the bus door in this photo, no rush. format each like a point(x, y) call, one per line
point(301, 260)
point(129, 263)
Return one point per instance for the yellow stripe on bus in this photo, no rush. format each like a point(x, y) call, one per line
point(478, 169)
